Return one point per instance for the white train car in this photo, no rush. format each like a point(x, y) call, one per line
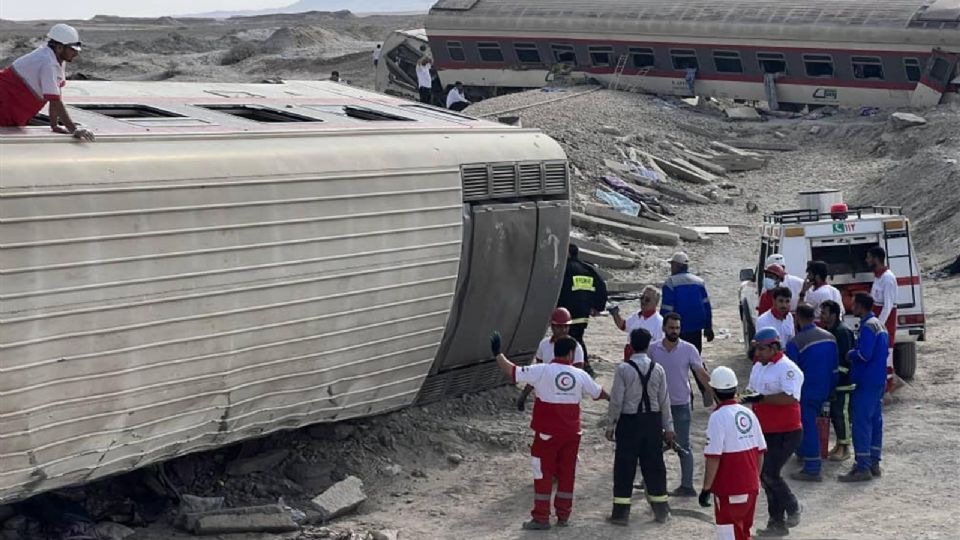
point(793, 52)
point(228, 260)
point(396, 71)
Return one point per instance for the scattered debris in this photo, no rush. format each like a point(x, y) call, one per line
point(455, 459)
point(686, 171)
point(342, 498)
point(266, 461)
point(619, 202)
point(385, 534)
point(902, 120)
point(108, 530)
point(313, 477)
point(743, 114)
point(605, 213)
point(611, 130)
point(608, 260)
point(270, 518)
point(815, 130)
point(661, 238)
point(191, 504)
point(761, 145)
point(712, 229)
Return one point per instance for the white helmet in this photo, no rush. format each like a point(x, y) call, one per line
point(776, 258)
point(723, 378)
point(65, 34)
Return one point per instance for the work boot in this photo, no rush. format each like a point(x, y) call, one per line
point(793, 518)
point(804, 476)
point(774, 529)
point(840, 452)
point(876, 471)
point(684, 492)
point(620, 515)
point(563, 522)
point(856, 474)
point(661, 512)
point(534, 525)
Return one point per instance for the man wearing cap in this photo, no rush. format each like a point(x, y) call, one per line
point(685, 294)
point(815, 352)
point(36, 78)
point(774, 391)
point(584, 294)
point(775, 275)
point(734, 458)
point(647, 318)
point(779, 315)
point(556, 424)
point(816, 290)
point(559, 327)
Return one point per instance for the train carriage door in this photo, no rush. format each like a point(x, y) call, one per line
point(937, 74)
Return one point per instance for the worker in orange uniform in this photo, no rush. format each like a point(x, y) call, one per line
point(559, 327)
point(556, 425)
point(734, 455)
point(36, 79)
point(884, 294)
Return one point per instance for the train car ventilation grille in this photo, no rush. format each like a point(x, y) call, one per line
point(555, 178)
point(504, 180)
point(474, 182)
point(531, 179)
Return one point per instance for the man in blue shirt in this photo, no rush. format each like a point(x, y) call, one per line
point(815, 352)
point(685, 294)
point(868, 371)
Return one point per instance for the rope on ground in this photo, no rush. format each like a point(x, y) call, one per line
point(692, 513)
point(544, 102)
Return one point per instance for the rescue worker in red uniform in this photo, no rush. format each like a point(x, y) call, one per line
point(734, 456)
point(559, 327)
point(556, 425)
point(36, 78)
point(884, 294)
point(584, 294)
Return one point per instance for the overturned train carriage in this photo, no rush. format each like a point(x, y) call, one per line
point(230, 260)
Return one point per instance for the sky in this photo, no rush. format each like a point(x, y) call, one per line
point(84, 9)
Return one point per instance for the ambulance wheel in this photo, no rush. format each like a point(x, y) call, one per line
point(905, 359)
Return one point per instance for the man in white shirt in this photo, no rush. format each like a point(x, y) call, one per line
point(779, 316)
point(884, 293)
point(456, 101)
point(36, 78)
point(648, 318)
point(376, 55)
point(425, 80)
point(816, 290)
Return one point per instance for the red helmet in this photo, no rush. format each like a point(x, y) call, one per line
point(560, 317)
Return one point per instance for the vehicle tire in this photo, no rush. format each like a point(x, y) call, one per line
point(905, 359)
point(748, 330)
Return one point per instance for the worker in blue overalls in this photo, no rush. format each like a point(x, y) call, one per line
point(868, 370)
point(815, 352)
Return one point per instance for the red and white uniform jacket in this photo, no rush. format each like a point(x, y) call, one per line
point(734, 436)
point(780, 375)
point(560, 388)
point(545, 352)
point(34, 79)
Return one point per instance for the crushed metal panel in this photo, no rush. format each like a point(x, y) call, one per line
point(455, 5)
point(941, 10)
point(553, 235)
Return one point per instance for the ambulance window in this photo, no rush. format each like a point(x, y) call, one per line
point(843, 259)
point(259, 114)
point(125, 112)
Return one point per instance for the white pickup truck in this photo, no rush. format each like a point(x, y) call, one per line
point(841, 239)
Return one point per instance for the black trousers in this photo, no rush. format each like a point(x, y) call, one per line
point(639, 440)
point(426, 95)
point(458, 106)
point(780, 448)
point(696, 338)
point(840, 416)
point(576, 332)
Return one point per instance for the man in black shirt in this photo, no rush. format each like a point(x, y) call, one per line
point(840, 401)
point(584, 293)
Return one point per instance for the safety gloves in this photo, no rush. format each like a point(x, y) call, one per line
point(495, 342)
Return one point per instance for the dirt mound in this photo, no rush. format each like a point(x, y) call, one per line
point(172, 43)
point(299, 37)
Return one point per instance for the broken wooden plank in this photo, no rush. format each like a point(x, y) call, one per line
point(607, 260)
point(661, 238)
point(680, 172)
point(703, 161)
point(728, 149)
point(600, 246)
point(739, 163)
point(606, 213)
point(764, 145)
point(707, 175)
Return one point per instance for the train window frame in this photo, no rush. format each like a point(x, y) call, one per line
point(489, 47)
point(770, 56)
point(257, 113)
point(818, 59)
point(681, 54)
point(559, 49)
point(126, 111)
point(864, 68)
point(907, 65)
point(456, 45)
point(525, 48)
point(362, 113)
point(593, 51)
point(731, 56)
point(939, 69)
point(637, 52)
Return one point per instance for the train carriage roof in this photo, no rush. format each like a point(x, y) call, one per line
point(844, 20)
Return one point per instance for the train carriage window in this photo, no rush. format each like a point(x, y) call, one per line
point(727, 62)
point(564, 54)
point(642, 57)
point(912, 67)
point(455, 50)
point(601, 56)
point(490, 52)
point(126, 112)
point(867, 67)
point(772, 62)
point(259, 114)
point(818, 65)
point(939, 70)
point(684, 59)
point(527, 53)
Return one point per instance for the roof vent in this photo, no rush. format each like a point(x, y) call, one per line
point(259, 114)
point(125, 112)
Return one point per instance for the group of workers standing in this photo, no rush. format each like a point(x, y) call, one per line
point(804, 358)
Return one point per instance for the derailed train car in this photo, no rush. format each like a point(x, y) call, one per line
point(792, 52)
point(229, 260)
